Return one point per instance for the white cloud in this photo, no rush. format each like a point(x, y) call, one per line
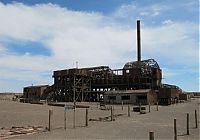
point(173, 42)
point(133, 10)
point(69, 35)
point(27, 62)
point(126, 10)
point(41, 21)
point(2, 48)
point(144, 13)
point(167, 21)
point(156, 9)
point(21, 75)
point(87, 38)
point(191, 6)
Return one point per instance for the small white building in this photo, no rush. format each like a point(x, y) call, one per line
point(143, 96)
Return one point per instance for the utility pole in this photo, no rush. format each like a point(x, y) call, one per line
point(74, 92)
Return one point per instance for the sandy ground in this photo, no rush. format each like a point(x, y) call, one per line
point(137, 126)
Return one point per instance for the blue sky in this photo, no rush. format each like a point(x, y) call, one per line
point(37, 37)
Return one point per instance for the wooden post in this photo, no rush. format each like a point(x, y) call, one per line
point(175, 130)
point(196, 122)
point(65, 118)
point(149, 107)
point(157, 106)
point(74, 92)
point(86, 117)
point(188, 132)
point(129, 111)
point(74, 117)
point(140, 108)
point(50, 114)
point(151, 135)
point(122, 105)
point(111, 113)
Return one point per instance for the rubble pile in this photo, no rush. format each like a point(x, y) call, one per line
point(20, 130)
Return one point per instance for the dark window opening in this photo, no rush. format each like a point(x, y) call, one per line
point(125, 97)
point(142, 97)
point(112, 97)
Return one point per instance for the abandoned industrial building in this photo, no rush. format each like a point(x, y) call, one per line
point(34, 92)
point(143, 96)
point(138, 81)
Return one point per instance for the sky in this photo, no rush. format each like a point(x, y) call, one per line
point(38, 37)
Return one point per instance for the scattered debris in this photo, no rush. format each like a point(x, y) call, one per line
point(108, 118)
point(20, 130)
point(104, 108)
point(36, 102)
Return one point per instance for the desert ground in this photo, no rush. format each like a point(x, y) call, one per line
point(135, 127)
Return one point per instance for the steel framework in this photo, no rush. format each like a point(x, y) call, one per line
point(88, 84)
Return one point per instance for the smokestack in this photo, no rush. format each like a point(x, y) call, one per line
point(138, 41)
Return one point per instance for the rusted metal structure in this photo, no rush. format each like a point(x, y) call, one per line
point(89, 84)
point(71, 84)
point(169, 94)
point(33, 93)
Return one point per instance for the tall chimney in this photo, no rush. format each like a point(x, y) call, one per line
point(138, 41)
